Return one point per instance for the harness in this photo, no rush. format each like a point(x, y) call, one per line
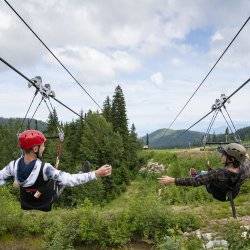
point(226, 191)
point(45, 200)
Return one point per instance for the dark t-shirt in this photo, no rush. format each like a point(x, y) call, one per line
point(24, 170)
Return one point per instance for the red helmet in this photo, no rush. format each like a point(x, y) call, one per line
point(30, 138)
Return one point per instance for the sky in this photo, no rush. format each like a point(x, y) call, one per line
point(158, 51)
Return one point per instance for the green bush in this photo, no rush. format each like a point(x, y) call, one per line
point(178, 242)
point(11, 215)
point(237, 236)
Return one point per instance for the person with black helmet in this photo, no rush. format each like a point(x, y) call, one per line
point(32, 175)
point(219, 182)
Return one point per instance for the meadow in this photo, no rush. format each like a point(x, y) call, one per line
point(146, 214)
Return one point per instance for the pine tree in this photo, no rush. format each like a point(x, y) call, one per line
point(52, 123)
point(147, 140)
point(51, 145)
point(107, 109)
point(133, 146)
point(119, 114)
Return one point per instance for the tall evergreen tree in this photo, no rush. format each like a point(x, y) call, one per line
point(52, 123)
point(133, 147)
point(119, 114)
point(51, 145)
point(147, 140)
point(107, 109)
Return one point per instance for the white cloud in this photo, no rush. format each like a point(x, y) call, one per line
point(5, 21)
point(124, 62)
point(176, 62)
point(217, 37)
point(94, 64)
point(133, 43)
point(157, 78)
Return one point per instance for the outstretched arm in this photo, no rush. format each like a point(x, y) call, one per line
point(191, 181)
point(6, 173)
point(71, 180)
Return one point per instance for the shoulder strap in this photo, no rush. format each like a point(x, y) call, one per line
point(40, 175)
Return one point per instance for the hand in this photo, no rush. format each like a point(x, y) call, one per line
point(166, 180)
point(105, 170)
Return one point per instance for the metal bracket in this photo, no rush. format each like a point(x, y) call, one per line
point(219, 103)
point(44, 89)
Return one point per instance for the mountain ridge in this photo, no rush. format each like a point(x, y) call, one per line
point(178, 139)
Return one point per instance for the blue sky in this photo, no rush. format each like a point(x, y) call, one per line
point(158, 51)
point(200, 39)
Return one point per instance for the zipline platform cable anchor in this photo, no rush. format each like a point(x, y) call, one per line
point(219, 106)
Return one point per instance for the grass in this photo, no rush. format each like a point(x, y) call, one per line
point(140, 213)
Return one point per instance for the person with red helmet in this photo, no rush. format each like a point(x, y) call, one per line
point(33, 175)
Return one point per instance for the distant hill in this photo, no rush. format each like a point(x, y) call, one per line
point(40, 124)
point(173, 138)
point(244, 133)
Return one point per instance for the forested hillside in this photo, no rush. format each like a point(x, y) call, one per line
point(163, 138)
point(32, 123)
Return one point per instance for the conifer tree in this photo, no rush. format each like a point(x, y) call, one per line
point(119, 114)
point(147, 140)
point(133, 147)
point(52, 123)
point(107, 109)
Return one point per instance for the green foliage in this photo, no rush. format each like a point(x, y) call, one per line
point(163, 138)
point(119, 115)
point(237, 236)
point(178, 165)
point(10, 212)
point(95, 139)
point(170, 243)
point(107, 109)
point(8, 142)
point(93, 225)
point(177, 242)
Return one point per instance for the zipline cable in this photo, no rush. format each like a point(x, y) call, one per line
point(48, 108)
point(23, 120)
point(27, 79)
point(210, 126)
point(230, 128)
point(52, 53)
point(52, 108)
point(230, 118)
point(232, 123)
point(238, 89)
point(204, 79)
point(206, 115)
point(37, 108)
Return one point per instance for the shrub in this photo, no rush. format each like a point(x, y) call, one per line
point(237, 236)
